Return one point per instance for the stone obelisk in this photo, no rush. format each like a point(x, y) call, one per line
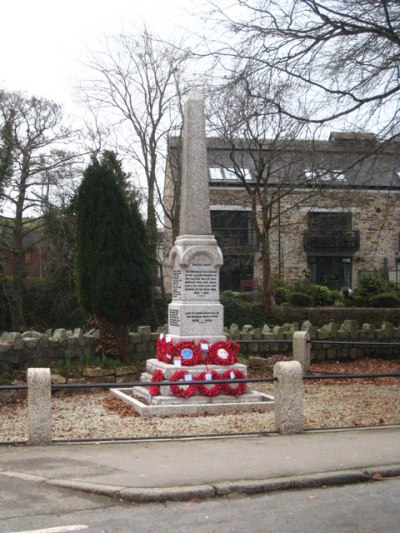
point(195, 312)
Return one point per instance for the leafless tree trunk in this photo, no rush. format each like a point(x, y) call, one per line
point(141, 80)
point(36, 168)
point(258, 151)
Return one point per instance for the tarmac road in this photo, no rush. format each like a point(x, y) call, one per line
point(367, 507)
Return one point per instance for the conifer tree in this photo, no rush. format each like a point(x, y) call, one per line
point(113, 274)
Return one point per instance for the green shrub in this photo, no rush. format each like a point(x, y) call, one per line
point(227, 294)
point(304, 286)
point(86, 360)
point(357, 301)
point(336, 295)
point(236, 311)
point(300, 299)
point(385, 299)
point(257, 315)
point(277, 281)
point(322, 295)
point(371, 283)
point(246, 296)
point(281, 295)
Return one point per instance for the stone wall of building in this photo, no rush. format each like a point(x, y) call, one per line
point(376, 214)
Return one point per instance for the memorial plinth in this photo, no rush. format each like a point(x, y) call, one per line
point(166, 404)
point(195, 312)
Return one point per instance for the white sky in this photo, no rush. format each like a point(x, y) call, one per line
point(44, 42)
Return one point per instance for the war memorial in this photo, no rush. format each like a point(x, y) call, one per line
point(195, 347)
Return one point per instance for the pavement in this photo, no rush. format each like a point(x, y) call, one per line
point(184, 469)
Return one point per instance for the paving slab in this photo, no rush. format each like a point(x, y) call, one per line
point(171, 469)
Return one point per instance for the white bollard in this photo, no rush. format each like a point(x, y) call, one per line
point(289, 397)
point(302, 349)
point(39, 406)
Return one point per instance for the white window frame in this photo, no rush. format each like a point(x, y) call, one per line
point(325, 175)
point(228, 174)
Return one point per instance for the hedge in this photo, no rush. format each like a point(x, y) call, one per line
point(242, 313)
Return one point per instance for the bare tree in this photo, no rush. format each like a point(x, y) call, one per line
point(259, 145)
point(342, 56)
point(37, 163)
point(139, 80)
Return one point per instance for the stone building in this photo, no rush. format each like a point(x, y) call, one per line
point(332, 207)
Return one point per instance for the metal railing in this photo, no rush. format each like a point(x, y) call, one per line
point(164, 383)
point(335, 240)
point(288, 377)
point(286, 394)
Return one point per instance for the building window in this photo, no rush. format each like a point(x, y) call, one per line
point(327, 222)
point(233, 229)
point(330, 232)
point(236, 237)
point(325, 175)
point(229, 174)
point(234, 270)
point(332, 271)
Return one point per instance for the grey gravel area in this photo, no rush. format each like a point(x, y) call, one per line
point(98, 415)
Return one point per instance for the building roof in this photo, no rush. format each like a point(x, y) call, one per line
point(347, 159)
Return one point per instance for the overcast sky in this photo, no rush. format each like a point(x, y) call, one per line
point(43, 42)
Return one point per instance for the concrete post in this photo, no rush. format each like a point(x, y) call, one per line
point(302, 349)
point(289, 397)
point(39, 406)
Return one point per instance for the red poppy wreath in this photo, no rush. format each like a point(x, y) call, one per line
point(209, 390)
point(158, 375)
point(189, 352)
point(224, 352)
point(205, 357)
point(186, 390)
point(234, 389)
point(165, 351)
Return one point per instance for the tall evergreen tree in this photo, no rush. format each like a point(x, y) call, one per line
point(6, 151)
point(113, 272)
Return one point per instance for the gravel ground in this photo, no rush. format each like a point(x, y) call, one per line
point(327, 404)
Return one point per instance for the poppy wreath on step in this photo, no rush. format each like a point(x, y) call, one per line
point(158, 375)
point(161, 347)
point(205, 357)
point(234, 389)
point(186, 390)
point(208, 390)
point(224, 352)
point(189, 352)
point(165, 351)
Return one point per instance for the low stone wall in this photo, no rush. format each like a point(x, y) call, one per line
point(124, 374)
point(349, 330)
point(32, 349)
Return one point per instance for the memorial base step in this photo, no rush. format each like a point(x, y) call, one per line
point(146, 405)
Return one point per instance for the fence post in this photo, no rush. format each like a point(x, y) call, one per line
point(39, 406)
point(289, 395)
point(302, 349)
